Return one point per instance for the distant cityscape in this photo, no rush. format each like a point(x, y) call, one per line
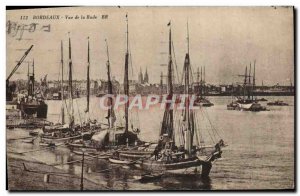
point(52, 88)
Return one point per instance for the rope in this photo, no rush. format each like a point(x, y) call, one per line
point(212, 139)
point(214, 129)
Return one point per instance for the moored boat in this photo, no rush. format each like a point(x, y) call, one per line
point(261, 99)
point(118, 161)
point(248, 102)
point(277, 103)
point(176, 150)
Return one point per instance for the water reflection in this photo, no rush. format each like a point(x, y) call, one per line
point(182, 182)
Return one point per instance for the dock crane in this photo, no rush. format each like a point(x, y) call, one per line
point(9, 89)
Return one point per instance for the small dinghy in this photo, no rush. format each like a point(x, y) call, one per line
point(29, 141)
point(34, 132)
point(118, 161)
point(78, 152)
point(262, 99)
point(98, 156)
point(278, 103)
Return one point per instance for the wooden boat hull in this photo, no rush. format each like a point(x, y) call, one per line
point(183, 167)
point(155, 165)
point(39, 109)
point(277, 104)
point(118, 161)
point(28, 141)
point(60, 140)
point(135, 155)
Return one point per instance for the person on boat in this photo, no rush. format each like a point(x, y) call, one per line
point(156, 153)
point(219, 145)
point(168, 154)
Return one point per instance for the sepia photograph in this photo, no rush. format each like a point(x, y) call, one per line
point(164, 98)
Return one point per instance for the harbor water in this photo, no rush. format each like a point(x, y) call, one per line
point(259, 155)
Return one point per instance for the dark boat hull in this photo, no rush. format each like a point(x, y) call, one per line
point(277, 104)
point(40, 110)
point(163, 165)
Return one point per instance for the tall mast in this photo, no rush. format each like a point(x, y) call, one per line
point(33, 77)
point(62, 84)
point(198, 76)
point(28, 78)
point(249, 79)
point(204, 74)
point(161, 83)
point(201, 93)
point(249, 74)
point(126, 82)
point(188, 132)
point(71, 110)
point(170, 84)
point(188, 38)
point(110, 115)
point(204, 83)
point(167, 123)
point(198, 80)
point(245, 83)
point(253, 83)
point(88, 79)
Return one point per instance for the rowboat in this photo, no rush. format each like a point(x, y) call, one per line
point(118, 161)
point(49, 139)
point(29, 141)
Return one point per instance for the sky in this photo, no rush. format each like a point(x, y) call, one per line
point(223, 39)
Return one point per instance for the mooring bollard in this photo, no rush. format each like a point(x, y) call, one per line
point(46, 178)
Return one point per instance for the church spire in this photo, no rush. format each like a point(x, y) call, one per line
point(140, 77)
point(146, 77)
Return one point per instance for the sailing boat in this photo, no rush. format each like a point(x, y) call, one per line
point(165, 155)
point(233, 104)
point(247, 102)
point(126, 137)
point(63, 133)
point(114, 136)
point(201, 99)
point(168, 157)
point(89, 127)
point(111, 117)
point(100, 139)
